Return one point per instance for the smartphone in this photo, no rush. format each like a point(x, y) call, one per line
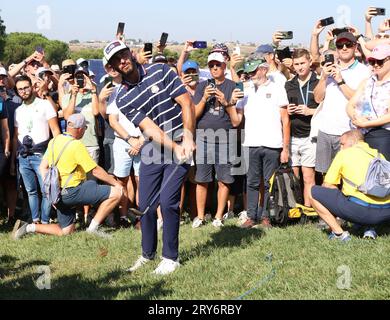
point(380, 11)
point(211, 82)
point(329, 58)
point(39, 49)
point(71, 69)
point(200, 44)
point(195, 77)
point(2, 89)
point(293, 100)
point(163, 39)
point(240, 85)
point(284, 54)
point(80, 80)
point(121, 28)
point(286, 35)
point(108, 80)
point(338, 31)
point(148, 47)
point(237, 51)
point(327, 21)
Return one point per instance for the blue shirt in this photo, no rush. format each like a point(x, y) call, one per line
point(153, 97)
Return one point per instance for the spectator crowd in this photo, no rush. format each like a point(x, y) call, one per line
point(156, 140)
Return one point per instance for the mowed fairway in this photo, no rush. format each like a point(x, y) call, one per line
point(297, 262)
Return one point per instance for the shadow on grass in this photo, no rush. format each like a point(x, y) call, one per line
point(382, 230)
point(72, 287)
point(227, 237)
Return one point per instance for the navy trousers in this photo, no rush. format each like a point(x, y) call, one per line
point(153, 179)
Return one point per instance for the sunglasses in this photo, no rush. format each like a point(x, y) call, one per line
point(215, 64)
point(348, 44)
point(380, 63)
point(23, 89)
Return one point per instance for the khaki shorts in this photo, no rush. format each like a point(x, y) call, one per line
point(303, 152)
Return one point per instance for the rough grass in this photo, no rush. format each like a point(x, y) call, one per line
point(297, 262)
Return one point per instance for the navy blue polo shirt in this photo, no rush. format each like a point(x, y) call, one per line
point(154, 97)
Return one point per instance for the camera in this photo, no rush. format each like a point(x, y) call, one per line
point(329, 58)
point(108, 80)
point(327, 21)
point(200, 44)
point(80, 80)
point(211, 82)
point(71, 69)
point(284, 54)
point(163, 39)
point(148, 47)
point(380, 11)
point(286, 35)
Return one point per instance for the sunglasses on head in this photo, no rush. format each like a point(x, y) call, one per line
point(215, 64)
point(380, 63)
point(348, 44)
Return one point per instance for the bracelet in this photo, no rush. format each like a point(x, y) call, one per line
point(341, 83)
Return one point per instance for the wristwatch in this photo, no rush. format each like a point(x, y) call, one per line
point(128, 138)
point(341, 83)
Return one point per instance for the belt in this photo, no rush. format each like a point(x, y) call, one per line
point(368, 205)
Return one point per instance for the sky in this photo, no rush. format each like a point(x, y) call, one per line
point(242, 20)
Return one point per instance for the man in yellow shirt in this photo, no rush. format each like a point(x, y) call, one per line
point(73, 165)
point(350, 163)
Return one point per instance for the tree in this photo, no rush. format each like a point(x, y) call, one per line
point(2, 38)
point(20, 45)
point(200, 56)
point(87, 54)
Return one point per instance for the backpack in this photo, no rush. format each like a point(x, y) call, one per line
point(285, 194)
point(377, 182)
point(52, 180)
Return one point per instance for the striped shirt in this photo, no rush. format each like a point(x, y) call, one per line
point(153, 97)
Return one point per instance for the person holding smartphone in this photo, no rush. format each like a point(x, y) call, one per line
point(337, 85)
point(300, 93)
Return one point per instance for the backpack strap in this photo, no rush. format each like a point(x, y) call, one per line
point(62, 151)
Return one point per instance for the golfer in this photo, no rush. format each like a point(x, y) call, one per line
point(154, 99)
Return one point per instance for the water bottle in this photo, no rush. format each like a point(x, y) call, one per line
point(271, 207)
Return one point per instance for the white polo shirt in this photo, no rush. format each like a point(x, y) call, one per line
point(334, 117)
point(112, 108)
point(263, 123)
point(32, 120)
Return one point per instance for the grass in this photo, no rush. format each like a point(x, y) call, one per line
point(297, 262)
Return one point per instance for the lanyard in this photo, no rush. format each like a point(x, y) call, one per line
point(305, 102)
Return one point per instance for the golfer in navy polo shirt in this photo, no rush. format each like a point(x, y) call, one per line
point(154, 99)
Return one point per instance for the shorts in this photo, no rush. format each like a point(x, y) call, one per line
point(123, 162)
point(212, 157)
point(87, 193)
point(94, 152)
point(327, 147)
point(341, 206)
point(303, 152)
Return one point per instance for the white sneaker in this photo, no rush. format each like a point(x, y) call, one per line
point(141, 261)
point(217, 223)
point(100, 234)
point(166, 266)
point(159, 224)
point(197, 223)
point(228, 215)
point(243, 216)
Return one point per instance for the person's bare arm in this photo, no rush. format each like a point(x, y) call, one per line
point(199, 108)
point(100, 174)
point(314, 41)
point(284, 157)
point(70, 108)
point(53, 124)
point(370, 13)
point(6, 136)
point(351, 105)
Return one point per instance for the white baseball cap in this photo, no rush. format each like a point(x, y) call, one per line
point(216, 56)
point(3, 72)
point(81, 60)
point(112, 48)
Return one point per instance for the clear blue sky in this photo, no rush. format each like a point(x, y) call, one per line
point(241, 20)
